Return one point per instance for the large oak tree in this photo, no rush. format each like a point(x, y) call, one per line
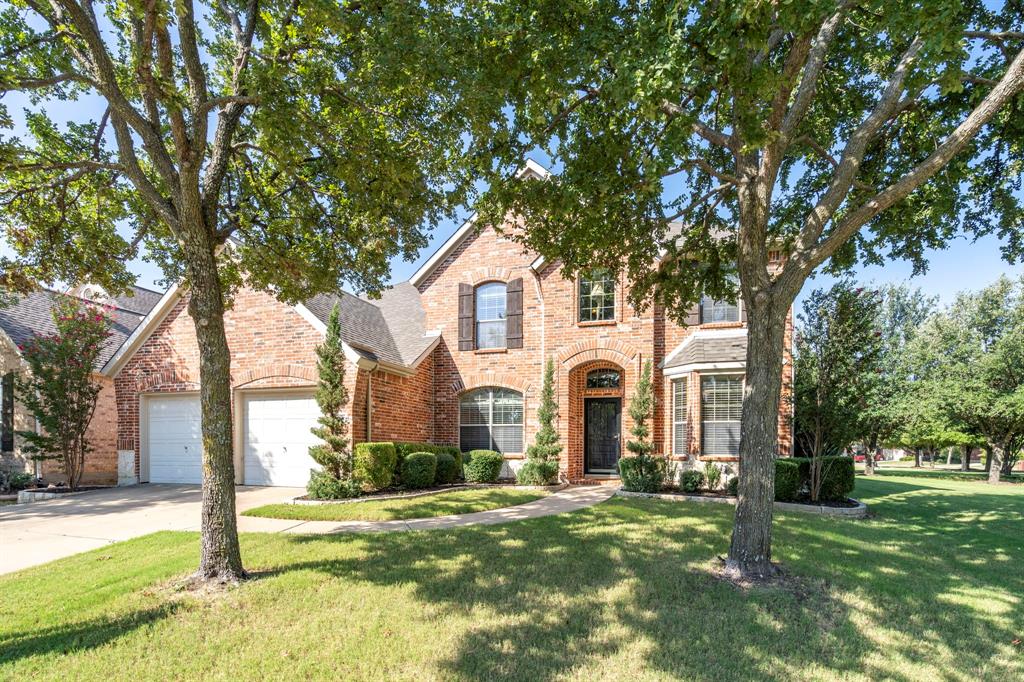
point(822, 130)
point(310, 133)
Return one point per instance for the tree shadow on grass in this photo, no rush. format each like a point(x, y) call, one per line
point(562, 595)
point(83, 635)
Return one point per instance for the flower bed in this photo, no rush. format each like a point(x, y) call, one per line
point(849, 508)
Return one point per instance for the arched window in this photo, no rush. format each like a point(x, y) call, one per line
point(491, 419)
point(490, 315)
point(603, 378)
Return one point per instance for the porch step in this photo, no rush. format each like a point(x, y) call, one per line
point(609, 481)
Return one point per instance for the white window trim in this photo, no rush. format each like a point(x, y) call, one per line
point(477, 319)
point(743, 386)
point(615, 298)
point(685, 379)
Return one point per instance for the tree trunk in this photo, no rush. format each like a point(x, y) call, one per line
point(988, 458)
point(965, 461)
point(917, 458)
point(750, 551)
point(869, 456)
point(995, 461)
point(220, 557)
point(949, 456)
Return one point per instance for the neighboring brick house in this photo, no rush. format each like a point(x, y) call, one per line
point(31, 315)
point(454, 356)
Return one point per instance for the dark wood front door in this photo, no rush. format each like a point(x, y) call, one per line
point(601, 434)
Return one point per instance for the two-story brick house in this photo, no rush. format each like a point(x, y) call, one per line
point(455, 356)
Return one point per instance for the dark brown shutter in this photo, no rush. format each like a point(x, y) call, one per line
point(693, 316)
point(514, 313)
point(7, 414)
point(466, 317)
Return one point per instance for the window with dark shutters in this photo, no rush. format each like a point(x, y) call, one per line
point(514, 312)
point(7, 413)
point(466, 324)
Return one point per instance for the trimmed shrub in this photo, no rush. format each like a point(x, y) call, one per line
point(789, 478)
point(642, 473)
point(483, 466)
point(447, 471)
point(403, 449)
point(537, 472)
point(837, 478)
point(375, 464)
point(691, 480)
point(713, 475)
point(324, 486)
point(732, 488)
point(419, 469)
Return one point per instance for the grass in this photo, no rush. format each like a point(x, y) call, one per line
point(929, 588)
point(889, 470)
point(441, 504)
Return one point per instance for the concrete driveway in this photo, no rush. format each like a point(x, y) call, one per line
point(32, 534)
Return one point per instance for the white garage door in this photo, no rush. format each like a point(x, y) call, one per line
point(174, 441)
point(277, 439)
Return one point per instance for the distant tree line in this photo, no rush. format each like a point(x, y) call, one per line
point(886, 367)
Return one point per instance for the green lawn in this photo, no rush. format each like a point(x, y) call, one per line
point(441, 504)
point(931, 588)
point(894, 470)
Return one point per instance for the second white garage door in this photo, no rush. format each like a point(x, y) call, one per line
point(277, 439)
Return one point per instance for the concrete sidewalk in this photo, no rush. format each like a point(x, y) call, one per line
point(566, 500)
point(32, 534)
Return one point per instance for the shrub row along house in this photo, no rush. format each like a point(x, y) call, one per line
point(453, 356)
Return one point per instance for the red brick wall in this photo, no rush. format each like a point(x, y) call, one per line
point(271, 346)
point(402, 407)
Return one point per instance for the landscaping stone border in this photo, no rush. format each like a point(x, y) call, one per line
point(29, 495)
point(425, 493)
point(858, 512)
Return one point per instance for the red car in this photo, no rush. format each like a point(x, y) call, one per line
point(859, 457)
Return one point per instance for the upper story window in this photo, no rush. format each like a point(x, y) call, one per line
point(718, 311)
point(603, 378)
point(597, 296)
point(490, 315)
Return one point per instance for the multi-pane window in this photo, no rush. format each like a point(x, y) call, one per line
point(490, 315)
point(680, 441)
point(721, 404)
point(603, 378)
point(719, 311)
point(491, 419)
point(597, 296)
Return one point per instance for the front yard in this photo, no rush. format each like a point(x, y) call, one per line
point(437, 504)
point(931, 588)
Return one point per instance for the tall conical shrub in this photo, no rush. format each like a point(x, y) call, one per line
point(641, 409)
point(333, 454)
point(541, 466)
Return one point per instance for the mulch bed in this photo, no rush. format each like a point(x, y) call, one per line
point(397, 493)
point(717, 494)
point(64, 489)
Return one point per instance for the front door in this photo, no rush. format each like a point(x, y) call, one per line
point(601, 430)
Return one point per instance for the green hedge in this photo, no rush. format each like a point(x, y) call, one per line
point(419, 469)
point(405, 448)
point(375, 464)
point(642, 473)
point(788, 479)
point(793, 477)
point(447, 471)
point(537, 472)
point(483, 466)
point(691, 480)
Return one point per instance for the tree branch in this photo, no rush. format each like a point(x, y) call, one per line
point(688, 164)
point(1010, 85)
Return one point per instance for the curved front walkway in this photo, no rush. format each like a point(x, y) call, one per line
point(566, 500)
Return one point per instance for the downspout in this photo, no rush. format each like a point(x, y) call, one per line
point(369, 401)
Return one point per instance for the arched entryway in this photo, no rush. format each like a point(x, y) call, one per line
point(596, 420)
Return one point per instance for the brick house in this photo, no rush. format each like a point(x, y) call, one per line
point(31, 315)
point(454, 356)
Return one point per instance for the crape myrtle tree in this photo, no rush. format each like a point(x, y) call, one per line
point(318, 137)
point(696, 140)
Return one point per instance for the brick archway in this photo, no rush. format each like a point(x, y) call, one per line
point(273, 370)
point(168, 379)
point(489, 274)
point(616, 352)
point(573, 403)
point(470, 381)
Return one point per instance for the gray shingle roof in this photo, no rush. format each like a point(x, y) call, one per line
point(138, 300)
point(391, 328)
point(701, 349)
point(30, 316)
